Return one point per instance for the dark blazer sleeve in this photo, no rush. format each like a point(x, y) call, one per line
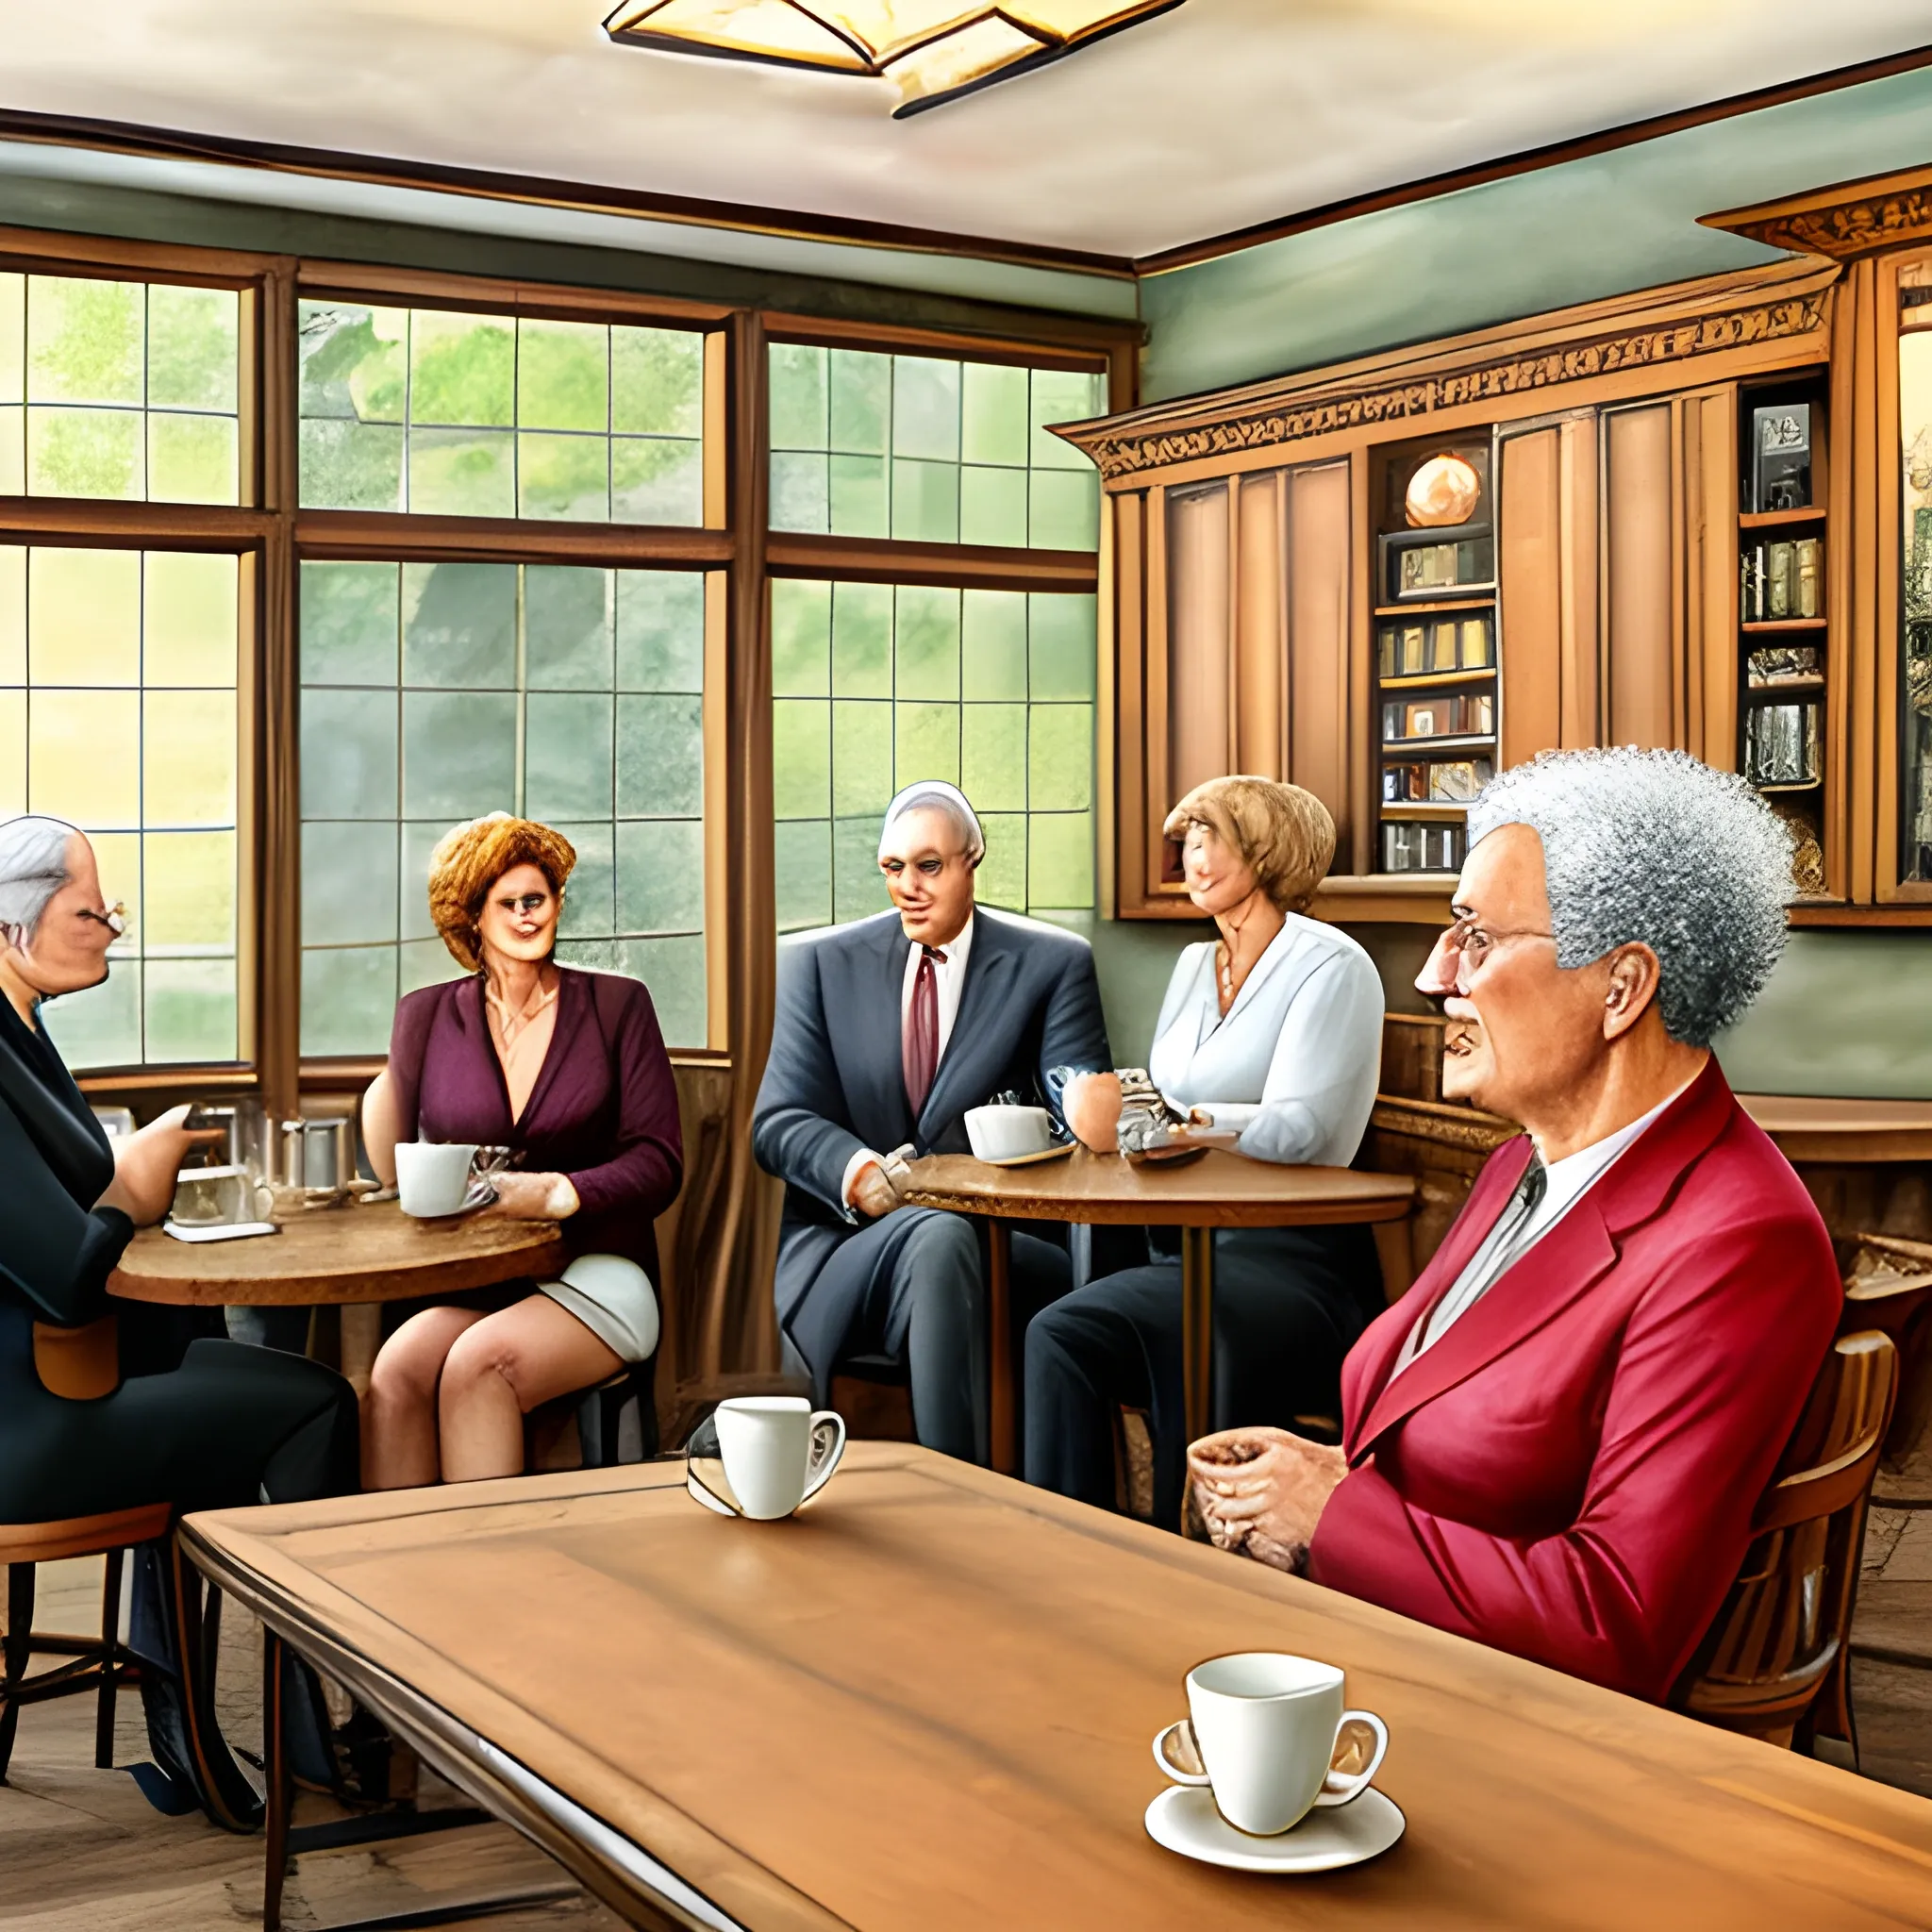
point(1714, 1368)
point(646, 1169)
point(55, 1255)
point(1072, 1037)
point(799, 1132)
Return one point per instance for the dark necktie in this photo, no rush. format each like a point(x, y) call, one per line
point(919, 1044)
point(1530, 1194)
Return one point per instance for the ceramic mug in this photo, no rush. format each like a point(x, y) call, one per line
point(433, 1176)
point(762, 1456)
point(1008, 1133)
point(219, 1197)
point(1264, 1733)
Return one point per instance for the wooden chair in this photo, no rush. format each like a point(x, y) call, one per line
point(1772, 1663)
point(96, 1663)
point(1890, 1289)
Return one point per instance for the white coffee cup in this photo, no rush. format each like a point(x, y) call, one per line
point(1008, 1133)
point(433, 1176)
point(1262, 1735)
point(777, 1451)
point(218, 1197)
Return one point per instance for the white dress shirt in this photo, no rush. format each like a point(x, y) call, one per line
point(1294, 1063)
point(949, 977)
point(1566, 1183)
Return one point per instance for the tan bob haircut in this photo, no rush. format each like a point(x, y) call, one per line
point(468, 861)
point(1283, 834)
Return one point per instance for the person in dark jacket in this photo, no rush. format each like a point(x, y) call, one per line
point(887, 1032)
point(231, 1424)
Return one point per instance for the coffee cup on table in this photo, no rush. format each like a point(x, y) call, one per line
point(433, 1176)
point(762, 1456)
point(1267, 1734)
point(1008, 1133)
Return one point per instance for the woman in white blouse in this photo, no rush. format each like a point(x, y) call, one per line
point(1273, 1030)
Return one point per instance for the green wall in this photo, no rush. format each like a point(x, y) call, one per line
point(1847, 1014)
point(1571, 233)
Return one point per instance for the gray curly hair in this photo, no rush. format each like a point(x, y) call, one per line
point(1654, 847)
point(33, 867)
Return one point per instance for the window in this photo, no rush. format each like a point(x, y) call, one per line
point(118, 713)
point(876, 686)
point(434, 693)
point(118, 389)
point(442, 413)
point(926, 450)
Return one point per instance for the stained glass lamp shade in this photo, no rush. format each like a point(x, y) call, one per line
point(934, 50)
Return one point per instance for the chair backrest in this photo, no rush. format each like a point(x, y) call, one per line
point(1784, 1623)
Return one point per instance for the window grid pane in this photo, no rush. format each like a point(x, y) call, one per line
point(876, 686)
point(433, 693)
point(449, 414)
point(118, 713)
point(122, 389)
point(928, 450)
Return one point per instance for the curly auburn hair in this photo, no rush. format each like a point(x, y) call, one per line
point(468, 859)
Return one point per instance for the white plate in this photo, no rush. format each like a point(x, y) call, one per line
point(1031, 1159)
point(1183, 1819)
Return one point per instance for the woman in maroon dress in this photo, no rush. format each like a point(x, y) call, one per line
point(567, 1067)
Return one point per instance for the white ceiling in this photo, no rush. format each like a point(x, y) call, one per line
point(1220, 114)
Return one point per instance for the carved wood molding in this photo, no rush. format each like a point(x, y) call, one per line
point(1844, 223)
point(1123, 450)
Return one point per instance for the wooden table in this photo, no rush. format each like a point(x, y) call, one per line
point(351, 1256)
point(1210, 1191)
point(925, 1703)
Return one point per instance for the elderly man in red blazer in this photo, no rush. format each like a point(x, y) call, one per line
point(1555, 1442)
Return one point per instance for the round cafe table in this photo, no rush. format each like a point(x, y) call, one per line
point(353, 1256)
point(1197, 1194)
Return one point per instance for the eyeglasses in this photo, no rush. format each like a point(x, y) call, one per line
point(115, 917)
point(1472, 944)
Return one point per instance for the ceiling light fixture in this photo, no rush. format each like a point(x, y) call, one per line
point(935, 50)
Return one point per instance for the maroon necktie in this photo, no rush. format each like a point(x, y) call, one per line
point(919, 1044)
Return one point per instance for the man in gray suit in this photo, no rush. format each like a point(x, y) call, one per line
point(887, 1031)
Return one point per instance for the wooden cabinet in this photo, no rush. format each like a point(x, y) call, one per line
point(1252, 614)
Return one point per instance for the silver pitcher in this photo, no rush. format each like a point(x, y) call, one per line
point(319, 1154)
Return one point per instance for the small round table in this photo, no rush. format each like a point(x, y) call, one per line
point(352, 1258)
point(1197, 1196)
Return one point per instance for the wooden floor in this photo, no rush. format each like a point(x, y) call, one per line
point(81, 1851)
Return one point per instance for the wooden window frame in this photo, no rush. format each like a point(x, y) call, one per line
point(738, 555)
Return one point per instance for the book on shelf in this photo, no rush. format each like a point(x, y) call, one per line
point(1764, 670)
point(1443, 645)
point(1413, 845)
point(1781, 745)
point(1435, 781)
point(1460, 715)
point(1780, 580)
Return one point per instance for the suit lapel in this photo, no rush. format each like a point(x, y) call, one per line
point(1566, 1263)
point(1562, 1267)
point(1486, 1199)
point(870, 1057)
point(989, 976)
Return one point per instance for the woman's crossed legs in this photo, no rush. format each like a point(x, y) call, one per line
point(451, 1386)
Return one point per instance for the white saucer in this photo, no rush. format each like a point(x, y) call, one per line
point(1183, 1819)
point(1029, 1159)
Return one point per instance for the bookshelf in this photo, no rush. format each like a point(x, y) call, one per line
point(1434, 602)
point(1783, 628)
